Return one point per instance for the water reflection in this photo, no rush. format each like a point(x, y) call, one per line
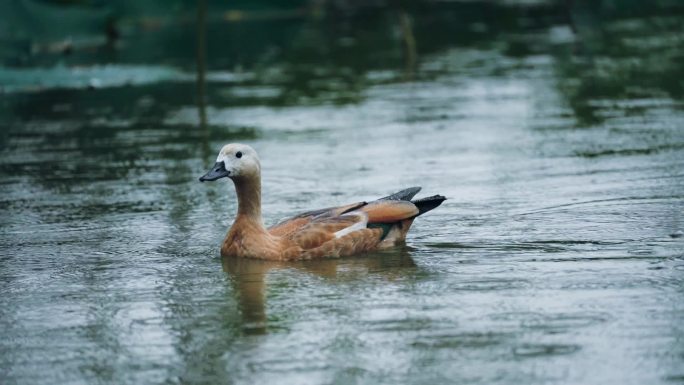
point(249, 278)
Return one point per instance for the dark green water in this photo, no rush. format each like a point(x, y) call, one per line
point(557, 258)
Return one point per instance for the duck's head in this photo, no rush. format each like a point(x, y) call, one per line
point(235, 161)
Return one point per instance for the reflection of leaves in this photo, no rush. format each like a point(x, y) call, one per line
point(37, 79)
point(81, 137)
point(101, 152)
point(624, 61)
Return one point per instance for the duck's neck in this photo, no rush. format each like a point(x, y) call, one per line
point(249, 199)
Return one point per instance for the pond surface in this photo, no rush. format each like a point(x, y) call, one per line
point(557, 258)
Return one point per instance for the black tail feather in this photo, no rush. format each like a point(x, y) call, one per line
point(426, 204)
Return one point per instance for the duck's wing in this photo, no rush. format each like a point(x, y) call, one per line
point(291, 225)
point(355, 228)
point(351, 232)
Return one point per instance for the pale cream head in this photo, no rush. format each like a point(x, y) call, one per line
point(240, 160)
point(236, 161)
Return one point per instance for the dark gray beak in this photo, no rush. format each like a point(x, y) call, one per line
point(217, 172)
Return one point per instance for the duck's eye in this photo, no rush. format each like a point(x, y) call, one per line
point(238, 154)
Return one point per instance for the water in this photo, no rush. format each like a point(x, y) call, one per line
point(557, 258)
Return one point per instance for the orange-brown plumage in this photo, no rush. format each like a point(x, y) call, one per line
point(332, 232)
point(389, 211)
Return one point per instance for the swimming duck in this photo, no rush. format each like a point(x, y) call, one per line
point(330, 232)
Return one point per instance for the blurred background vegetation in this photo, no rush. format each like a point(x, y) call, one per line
point(311, 39)
point(286, 53)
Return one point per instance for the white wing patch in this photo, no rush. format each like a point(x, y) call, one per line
point(361, 224)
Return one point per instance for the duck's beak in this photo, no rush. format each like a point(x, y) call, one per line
point(217, 172)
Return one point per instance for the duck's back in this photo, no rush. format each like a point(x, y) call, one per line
point(354, 228)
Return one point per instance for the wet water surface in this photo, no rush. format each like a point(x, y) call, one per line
point(557, 258)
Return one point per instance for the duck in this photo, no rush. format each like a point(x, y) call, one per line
point(331, 232)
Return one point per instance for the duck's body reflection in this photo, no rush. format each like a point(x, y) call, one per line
point(249, 277)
